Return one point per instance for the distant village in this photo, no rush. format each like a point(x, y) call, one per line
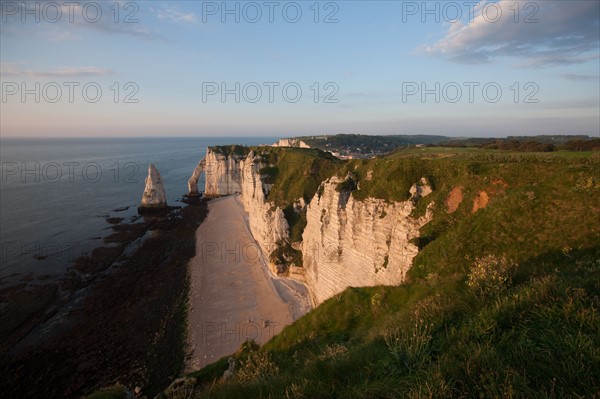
point(357, 146)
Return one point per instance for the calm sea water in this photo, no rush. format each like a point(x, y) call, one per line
point(55, 195)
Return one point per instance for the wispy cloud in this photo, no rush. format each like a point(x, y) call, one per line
point(134, 30)
point(358, 94)
point(175, 15)
point(579, 77)
point(76, 19)
point(13, 70)
point(584, 104)
point(554, 33)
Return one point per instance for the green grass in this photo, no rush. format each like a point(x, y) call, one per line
point(297, 222)
point(114, 392)
point(545, 207)
point(295, 172)
point(537, 335)
point(540, 338)
point(227, 150)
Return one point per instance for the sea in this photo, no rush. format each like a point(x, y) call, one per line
point(57, 195)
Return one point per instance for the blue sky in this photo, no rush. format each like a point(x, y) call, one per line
point(366, 63)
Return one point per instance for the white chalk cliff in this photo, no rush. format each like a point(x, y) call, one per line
point(154, 193)
point(267, 222)
point(221, 173)
point(346, 242)
point(291, 143)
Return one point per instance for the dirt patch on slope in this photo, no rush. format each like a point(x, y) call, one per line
point(454, 199)
point(500, 183)
point(481, 201)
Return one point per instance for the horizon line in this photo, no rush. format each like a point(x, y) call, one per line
point(26, 137)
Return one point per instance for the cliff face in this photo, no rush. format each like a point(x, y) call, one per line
point(345, 243)
point(222, 174)
point(291, 143)
point(267, 222)
point(358, 243)
point(240, 174)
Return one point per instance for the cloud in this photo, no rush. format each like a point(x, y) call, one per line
point(591, 104)
point(74, 17)
point(544, 59)
point(12, 70)
point(358, 94)
point(565, 33)
point(176, 16)
point(580, 78)
point(134, 30)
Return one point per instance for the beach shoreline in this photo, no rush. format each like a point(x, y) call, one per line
point(233, 294)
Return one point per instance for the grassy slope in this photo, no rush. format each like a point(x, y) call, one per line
point(434, 336)
point(296, 172)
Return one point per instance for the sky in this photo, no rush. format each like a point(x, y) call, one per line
point(284, 68)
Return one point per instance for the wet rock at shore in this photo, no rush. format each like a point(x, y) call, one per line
point(154, 197)
point(103, 334)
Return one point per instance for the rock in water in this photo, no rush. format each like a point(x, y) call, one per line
point(154, 197)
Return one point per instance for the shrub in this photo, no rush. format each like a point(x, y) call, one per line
point(285, 256)
point(586, 183)
point(182, 388)
point(490, 275)
point(333, 351)
point(258, 366)
point(348, 185)
point(376, 302)
point(268, 174)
